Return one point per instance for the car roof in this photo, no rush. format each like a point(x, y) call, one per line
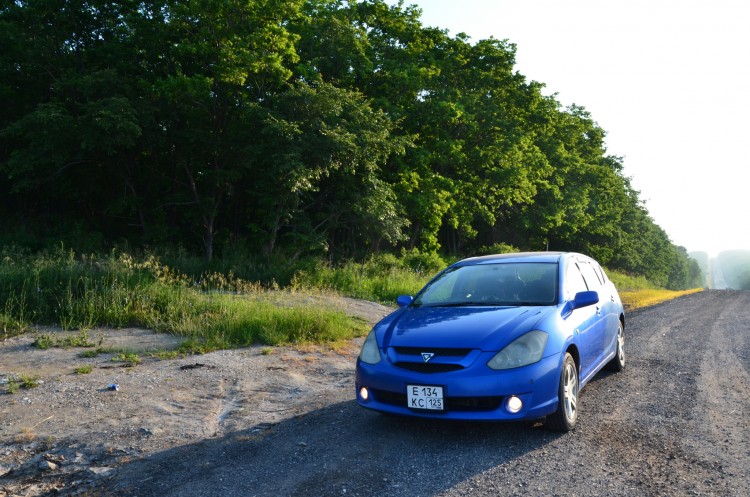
point(516, 257)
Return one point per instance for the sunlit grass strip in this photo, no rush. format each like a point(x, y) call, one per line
point(647, 297)
point(217, 321)
point(628, 283)
point(224, 321)
point(242, 322)
point(214, 313)
point(369, 281)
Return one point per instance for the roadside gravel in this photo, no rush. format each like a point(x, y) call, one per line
point(72, 432)
point(674, 423)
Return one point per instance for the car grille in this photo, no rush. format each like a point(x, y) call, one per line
point(451, 403)
point(443, 360)
point(442, 352)
point(427, 367)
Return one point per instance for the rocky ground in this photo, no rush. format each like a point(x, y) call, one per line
point(72, 431)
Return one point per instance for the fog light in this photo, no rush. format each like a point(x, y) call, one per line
point(364, 394)
point(513, 404)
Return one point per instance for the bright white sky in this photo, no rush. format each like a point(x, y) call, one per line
point(668, 80)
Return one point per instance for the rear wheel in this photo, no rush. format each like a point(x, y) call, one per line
point(564, 419)
point(618, 361)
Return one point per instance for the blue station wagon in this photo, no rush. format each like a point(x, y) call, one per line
point(503, 337)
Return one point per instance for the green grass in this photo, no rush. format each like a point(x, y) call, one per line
point(210, 309)
point(166, 354)
point(380, 279)
point(23, 381)
point(129, 359)
point(629, 283)
point(49, 340)
point(12, 386)
point(29, 381)
point(10, 326)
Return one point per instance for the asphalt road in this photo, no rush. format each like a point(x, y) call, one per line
point(674, 423)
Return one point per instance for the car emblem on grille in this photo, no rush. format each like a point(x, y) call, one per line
point(426, 356)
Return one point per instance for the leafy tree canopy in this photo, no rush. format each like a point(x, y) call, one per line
point(329, 127)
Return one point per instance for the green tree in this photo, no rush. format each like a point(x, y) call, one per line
point(302, 126)
point(225, 59)
point(318, 184)
point(69, 119)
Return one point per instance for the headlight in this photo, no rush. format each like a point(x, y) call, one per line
point(524, 350)
point(370, 353)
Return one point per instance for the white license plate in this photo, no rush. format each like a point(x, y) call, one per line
point(424, 397)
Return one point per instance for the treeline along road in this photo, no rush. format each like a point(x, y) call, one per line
point(675, 423)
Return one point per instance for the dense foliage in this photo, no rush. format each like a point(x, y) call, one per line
point(300, 127)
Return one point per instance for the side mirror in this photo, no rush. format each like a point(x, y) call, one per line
point(582, 299)
point(404, 300)
point(585, 299)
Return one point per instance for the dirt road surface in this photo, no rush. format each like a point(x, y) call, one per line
point(676, 422)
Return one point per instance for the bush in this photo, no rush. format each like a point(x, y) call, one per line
point(423, 263)
point(497, 248)
point(625, 282)
point(381, 278)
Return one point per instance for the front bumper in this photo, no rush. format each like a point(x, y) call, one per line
point(474, 393)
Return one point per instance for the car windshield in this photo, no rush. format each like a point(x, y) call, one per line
point(499, 284)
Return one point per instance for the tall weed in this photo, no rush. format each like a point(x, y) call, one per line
point(81, 292)
point(381, 278)
point(627, 283)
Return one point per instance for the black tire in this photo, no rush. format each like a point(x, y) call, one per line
point(564, 419)
point(618, 361)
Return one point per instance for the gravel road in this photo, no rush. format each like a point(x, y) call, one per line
point(675, 422)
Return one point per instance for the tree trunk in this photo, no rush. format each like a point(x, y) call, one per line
point(208, 238)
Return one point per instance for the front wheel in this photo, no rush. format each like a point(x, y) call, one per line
point(618, 361)
point(564, 419)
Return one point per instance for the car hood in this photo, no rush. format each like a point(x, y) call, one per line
point(485, 328)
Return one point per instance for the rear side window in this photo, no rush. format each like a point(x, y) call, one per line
point(593, 278)
point(574, 282)
point(601, 272)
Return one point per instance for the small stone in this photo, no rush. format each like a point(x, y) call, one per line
point(55, 458)
point(101, 472)
point(47, 466)
point(150, 431)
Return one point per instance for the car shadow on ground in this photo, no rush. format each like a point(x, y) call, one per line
point(339, 450)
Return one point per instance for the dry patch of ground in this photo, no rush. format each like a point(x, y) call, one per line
point(74, 428)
